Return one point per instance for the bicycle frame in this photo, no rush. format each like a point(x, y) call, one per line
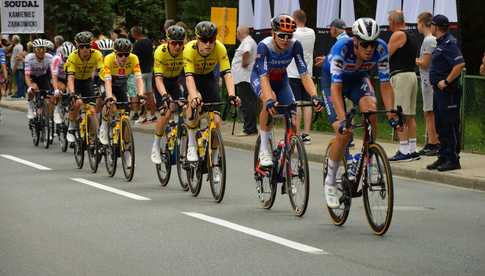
point(207, 133)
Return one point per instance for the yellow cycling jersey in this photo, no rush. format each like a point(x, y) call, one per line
point(166, 65)
point(112, 69)
point(83, 69)
point(200, 65)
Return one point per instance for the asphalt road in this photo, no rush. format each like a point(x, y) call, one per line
point(53, 223)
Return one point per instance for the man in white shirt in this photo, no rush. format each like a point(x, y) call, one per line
point(306, 36)
point(17, 66)
point(242, 64)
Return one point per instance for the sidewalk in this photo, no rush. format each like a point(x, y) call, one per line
point(472, 174)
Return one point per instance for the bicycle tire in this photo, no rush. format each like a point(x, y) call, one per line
point(35, 129)
point(181, 152)
point(219, 164)
point(128, 146)
point(62, 133)
point(302, 173)
point(93, 150)
point(194, 175)
point(370, 184)
point(338, 215)
point(79, 150)
point(267, 181)
point(164, 177)
point(46, 131)
point(110, 154)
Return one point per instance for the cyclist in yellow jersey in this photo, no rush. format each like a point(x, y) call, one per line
point(80, 68)
point(201, 57)
point(117, 67)
point(168, 68)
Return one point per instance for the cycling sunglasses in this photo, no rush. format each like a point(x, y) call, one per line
point(84, 46)
point(177, 43)
point(284, 36)
point(122, 54)
point(207, 40)
point(366, 44)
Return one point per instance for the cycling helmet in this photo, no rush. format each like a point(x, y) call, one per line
point(105, 44)
point(49, 45)
point(176, 33)
point(39, 43)
point(366, 29)
point(283, 23)
point(205, 30)
point(66, 49)
point(83, 37)
point(122, 45)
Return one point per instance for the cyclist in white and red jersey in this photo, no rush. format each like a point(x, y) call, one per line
point(59, 77)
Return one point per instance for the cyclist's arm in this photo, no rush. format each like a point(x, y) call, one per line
point(338, 100)
point(192, 89)
point(189, 69)
point(160, 85)
point(309, 85)
point(27, 70)
point(387, 94)
point(54, 73)
point(229, 84)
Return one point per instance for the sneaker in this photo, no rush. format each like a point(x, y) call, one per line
point(435, 164)
point(265, 159)
point(155, 156)
point(307, 140)
point(57, 115)
point(103, 134)
point(415, 156)
point(449, 166)
point(432, 150)
point(331, 196)
point(127, 156)
point(192, 154)
point(141, 120)
point(400, 157)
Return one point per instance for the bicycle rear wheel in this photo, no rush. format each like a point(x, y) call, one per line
point(127, 150)
point(111, 153)
point(62, 133)
point(79, 150)
point(265, 182)
point(297, 176)
point(35, 130)
point(181, 152)
point(378, 190)
point(46, 130)
point(217, 170)
point(165, 168)
point(194, 174)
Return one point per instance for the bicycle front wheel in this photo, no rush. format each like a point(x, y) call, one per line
point(79, 150)
point(165, 168)
point(265, 181)
point(62, 132)
point(378, 190)
point(181, 153)
point(297, 176)
point(217, 168)
point(111, 153)
point(127, 150)
point(46, 132)
point(93, 149)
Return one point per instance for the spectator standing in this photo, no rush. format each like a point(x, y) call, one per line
point(143, 48)
point(58, 40)
point(4, 71)
point(17, 65)
point(242, 65)
point(482, 67)
point(337, 31)
point(446, 65)
point(306, 36)
point(424, 61)
point(403, 50)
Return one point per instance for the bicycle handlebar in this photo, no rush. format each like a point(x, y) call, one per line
point(349, 116)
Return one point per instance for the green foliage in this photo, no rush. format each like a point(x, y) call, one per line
point(150, 14)
point(67, 17)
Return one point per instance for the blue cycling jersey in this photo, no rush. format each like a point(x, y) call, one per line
point(3, 59)
point(341, 63)
point(273, 63)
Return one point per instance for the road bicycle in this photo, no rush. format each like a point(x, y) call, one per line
point(42, 125)
point(174, 150)
point(61, 129)
point(211, 156)
point(369, 177)
point(290, 166)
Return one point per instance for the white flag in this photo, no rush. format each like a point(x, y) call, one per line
point(446, 7)
point(347, 12)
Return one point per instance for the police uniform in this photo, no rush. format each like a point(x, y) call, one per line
point(446, 102)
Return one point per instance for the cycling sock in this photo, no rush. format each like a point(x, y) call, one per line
point(156, 141)
point(404, 147)
point(412, 145)
point(331, 172)
point(265, 135)
point(191, 134)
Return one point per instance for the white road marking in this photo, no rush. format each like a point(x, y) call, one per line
point(110, 189)
point(405, 208)
point(25, 162)
point(258, 234)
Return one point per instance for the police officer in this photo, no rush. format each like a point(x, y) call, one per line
point(446, 65)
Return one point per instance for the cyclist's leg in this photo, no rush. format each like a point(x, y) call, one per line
point(265, 154)
point(366, 99)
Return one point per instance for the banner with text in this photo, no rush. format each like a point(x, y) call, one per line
point(22, 16)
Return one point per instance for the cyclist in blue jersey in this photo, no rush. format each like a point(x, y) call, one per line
point(346, 74)
point(270, 81)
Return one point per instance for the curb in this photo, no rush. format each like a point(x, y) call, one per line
point(422, 174)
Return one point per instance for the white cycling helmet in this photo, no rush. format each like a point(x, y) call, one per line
point(50, 45)
point(39, 43)
point(366, 29)
point(67, 48)
point(105, 44)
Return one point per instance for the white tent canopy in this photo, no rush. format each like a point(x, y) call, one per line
point(347, 12)
point(246, 16)
point(328, 10)
point(383, 9)
point(262, 14)
point(446, 7)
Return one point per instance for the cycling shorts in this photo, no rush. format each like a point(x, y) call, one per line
point(172, 86)
point(85, 88)
point(43, 82)
point(284, 94)
point(208, 87)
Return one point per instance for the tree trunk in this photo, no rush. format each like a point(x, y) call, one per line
point(170, 9)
